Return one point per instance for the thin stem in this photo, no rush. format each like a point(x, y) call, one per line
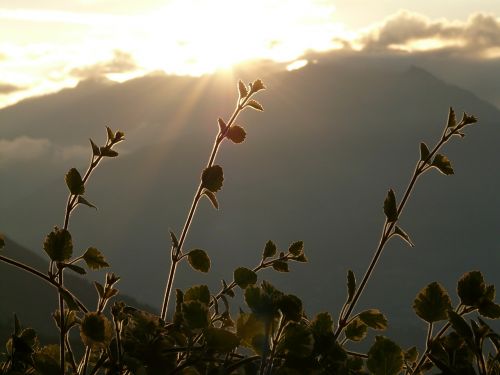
point(244, 361)
point(281, 326)
point(356, 354)
point(62, 331)
point(71, 356)
point(86, 357)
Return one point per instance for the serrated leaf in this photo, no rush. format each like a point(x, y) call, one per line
point(94, 259)
point(385, 357)
point(322, 325)
point(222, 125)
point(74, 182)
point(452, 121)
point(195, 314)
point(244, 277)
point(424, 152)
point(401, 233)
point(106, 151)
point(75, 268)
point(351, 285)
point(212, 197)
point(199, 293)
point(58, 245)
point(373, 318)
point(242, 89)
point(95, 148)
point(269, 250)
point(432, 303)
point(390, 207)
point(84, 201)
point(296, 248)
point(175, 241)
point(443, 164)
point(471, 288)
point(468, 119)
point(291, 307)
point(212, 178)
point(199, 260)
point(220, 340)
point(258, 85)
point(301, 258)
point(460, 325)
point(297, 340)
point(255, 105)
point(356, 330)
point(489, 309)
point(280, 266)
point(236, 134)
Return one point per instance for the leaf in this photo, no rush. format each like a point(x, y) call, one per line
point(322, 324)
point(242, 89)
point(199, 260)
point(111, 135)
point(297, 340)
point(471, 288)
point(173, 238)
point(424, 152)
point(195, 314)
point(94, 259)
point(468, 119)
point(432, 303)
point(373, 318)
point(75, 268)
point(84, 201)
point(356, 330)
point(70, 301)
point(301, 258)
point(106, 151)
point(199, 293)
point(442, 163)
point(236, 134)
point(255, 105)
point(269, 250)
point(390, 208)
point(45, 364)
point(212, 178)
point(280, 266)
point(74, 182)
point(258, 85)
point(99, 288)
point(460, 325)
point(351, 285)
point(58, 245)
point(96, 329)
point(411, 355)
point(222, 125)
point(2, 241)
point(95, 148)
point(212, 197)
point(385, 357)
point(452, 121)
point(291, 307)
point(401, 233)
point(220, 340)
point(244, 277)
point(296, 248)
point(489, 309)
point(17, 325)
point(247, 327)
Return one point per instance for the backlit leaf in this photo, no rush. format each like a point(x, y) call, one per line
point(220, 340)
point(70, 301)
point(74, 182)
point(322, 324)
point(84, 201)
point(442, 163)
point(468, 119)
point(356, 330)
point(222, 125)
point(452, 121)
point(106, 151)
point(94, 259)
point(471, 288)
point(199, 260)
point(296, 248)
point(424, 152)
point(489, 309)
point(76, 269)
point(460, 325)
point(195, 314)
point(258, 85)
point(390, 208)
point(351, 285)
point(373, 318)
point(212, 197)
point(212, 178)
point(58, 245)
point(255, 105)
point(280, 266)
point(96, 329)
point(401, 233)
point(173, 238)
point(111, 135)
point(269, 250)
point(385, 357)
point(297, 340)
point(199, 293)
point(244, 277)
point(432, 303)
point(291, 307)
point(95, 148)
point(236, 134)
point(242, 89)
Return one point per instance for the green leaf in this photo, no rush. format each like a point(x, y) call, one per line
point(452, 121)
point(255, 105)
point(58, 245)
point(424, 152)
point(75, 182)
point(401, 233)
point(199, 260)
point(242, 89)
point(356, 330)
point(220, 340)
point(96, 329)
point(489, 309)
point(471, 288)
point(108, 152)
point(442, 163)
point(390, 208)
point(94, 259)
point(244, 277)
point(460, 325)
point(95, 148)
point(296, 248)
point(322, 324)
point(195, 314)
point(75, 268)
point(269, 250)
point(373, 318)
point(351, 285)
point(432, 303)
point(199, 293)
point(212, 197)
point(280, 266)
point(236, 134)
point(82, 200)
point(212, 178)
point(385, 357)
point(258, 85)
point(291, 307)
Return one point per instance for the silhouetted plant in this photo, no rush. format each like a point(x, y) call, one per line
point(274, 335)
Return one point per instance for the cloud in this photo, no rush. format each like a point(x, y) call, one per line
point(122, 62)
point(479, 36)
point(7, 88)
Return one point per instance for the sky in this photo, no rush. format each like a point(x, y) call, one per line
point(51, 44)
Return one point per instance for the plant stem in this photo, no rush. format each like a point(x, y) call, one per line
point(177, 251)
point(281, 326)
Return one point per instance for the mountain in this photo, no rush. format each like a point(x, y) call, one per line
point(315, 166)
